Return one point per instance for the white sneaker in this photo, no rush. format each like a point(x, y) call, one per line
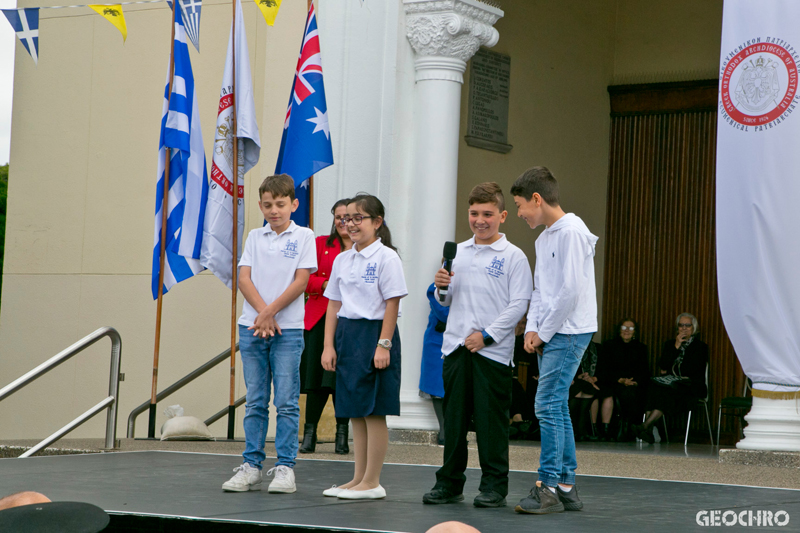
point(284, 480)
point(247, 478)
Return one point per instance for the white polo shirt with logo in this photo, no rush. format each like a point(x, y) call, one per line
point(363, 280)
point(489, 290)
point(274, 260)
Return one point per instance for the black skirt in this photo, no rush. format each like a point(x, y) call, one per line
point(361, 389)
point(312, 376)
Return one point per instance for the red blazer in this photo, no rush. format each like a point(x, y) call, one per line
point(317, 304)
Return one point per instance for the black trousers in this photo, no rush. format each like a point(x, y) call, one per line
point(479, 388)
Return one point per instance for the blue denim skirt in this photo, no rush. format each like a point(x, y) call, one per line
point(361, 389)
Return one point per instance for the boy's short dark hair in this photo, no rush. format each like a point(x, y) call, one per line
point(537, 179)
point(488, 193)
point(280, 185)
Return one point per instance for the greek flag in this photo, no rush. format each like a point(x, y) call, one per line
point(26, 25)
point(190, 11)
point(188, 177)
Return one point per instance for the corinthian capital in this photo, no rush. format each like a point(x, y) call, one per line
point(450, 30)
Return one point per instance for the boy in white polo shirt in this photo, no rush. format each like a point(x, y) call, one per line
point(489, 289)
point(273, 273)
point(561, 322)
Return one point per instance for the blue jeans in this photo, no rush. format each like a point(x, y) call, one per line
point(264, 361)
point(557, 367)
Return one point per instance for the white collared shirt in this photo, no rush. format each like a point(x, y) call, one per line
point(489, 290)
point(274, 260)
point(363, 280)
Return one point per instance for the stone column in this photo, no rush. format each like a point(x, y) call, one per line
point(444, 35)
point(773, 423)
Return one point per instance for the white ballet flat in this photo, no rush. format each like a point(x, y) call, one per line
point(333, 492)
point(372, 494)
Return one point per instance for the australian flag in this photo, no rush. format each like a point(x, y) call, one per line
point(306, 143)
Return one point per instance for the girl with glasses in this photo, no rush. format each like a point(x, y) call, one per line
point(362, 342)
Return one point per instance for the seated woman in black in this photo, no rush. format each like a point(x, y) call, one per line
point(582, 392)
point(623, 370)
point(685, 357)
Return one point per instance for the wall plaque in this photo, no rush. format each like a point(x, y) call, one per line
point(487, 120)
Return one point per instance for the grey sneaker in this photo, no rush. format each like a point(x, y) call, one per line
point(541, 500)
point(570, 499)
point(247, 477)
point(283, 482)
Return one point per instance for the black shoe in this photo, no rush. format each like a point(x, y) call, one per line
point(489, 498)
point(437, 496)
point(309, 438)
point(646, 434)
point(607, 435)
point(342, 448)
point(570, 499)
point(541, 500)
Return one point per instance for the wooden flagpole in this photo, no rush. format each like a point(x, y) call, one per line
point(151, 427)
point(235, 249)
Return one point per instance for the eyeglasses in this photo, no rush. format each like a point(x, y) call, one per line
point(627, 328)
point(355, 219)
point(682, 325)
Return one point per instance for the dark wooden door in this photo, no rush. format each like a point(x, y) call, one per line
point(660, 257)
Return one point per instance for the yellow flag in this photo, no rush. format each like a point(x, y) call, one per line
point(269, 8)
point(113, 14)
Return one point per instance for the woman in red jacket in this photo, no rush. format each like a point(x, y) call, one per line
point(316, 382)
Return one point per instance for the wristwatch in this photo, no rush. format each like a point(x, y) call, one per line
point(385, 343)
point(488, 340)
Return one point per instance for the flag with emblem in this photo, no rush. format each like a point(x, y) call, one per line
point(269, 8)
point(306, 143)
point(113, 14)
point(188, 177)
point(26, 25)
point(217, 248)
point(757, 192)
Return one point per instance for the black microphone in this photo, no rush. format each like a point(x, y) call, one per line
point(449, 253)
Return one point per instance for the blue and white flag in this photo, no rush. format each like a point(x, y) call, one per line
point(190, 12)
point(188, 177)
point(26, 24)
point(306, 143)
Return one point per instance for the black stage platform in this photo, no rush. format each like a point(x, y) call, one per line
point(187, 485)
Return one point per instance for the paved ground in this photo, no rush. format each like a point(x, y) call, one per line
point(662, 461)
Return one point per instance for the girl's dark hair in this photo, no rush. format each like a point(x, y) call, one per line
point(373, 207)
point(335, 234)
point(635, 326)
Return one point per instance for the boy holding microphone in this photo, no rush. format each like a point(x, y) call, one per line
point(488, 292)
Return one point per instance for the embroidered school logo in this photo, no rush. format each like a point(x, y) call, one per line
point(371, 273)
point(290, 251)
point(758, 84)
point(496, 268)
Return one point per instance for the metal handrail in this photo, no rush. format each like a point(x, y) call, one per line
point(185, 380)
point(111, 402)
point(224, 411)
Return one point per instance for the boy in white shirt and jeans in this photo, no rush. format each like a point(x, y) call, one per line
point(273, 273)
point(561, 321)
point(489, 289)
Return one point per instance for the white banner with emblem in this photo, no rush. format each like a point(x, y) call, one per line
point(758, 191)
